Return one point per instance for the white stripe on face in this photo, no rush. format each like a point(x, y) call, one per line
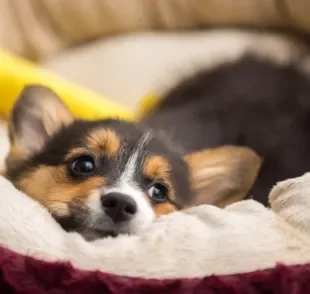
point(125, 185)
point(130, 168)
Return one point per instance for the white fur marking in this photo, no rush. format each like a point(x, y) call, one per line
point(145, 214)
point(94, 202)
point(125, 185)
point(130, 168)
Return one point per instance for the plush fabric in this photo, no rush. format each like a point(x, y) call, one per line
point(200, 242)
point(20, 274)
point(39, 28)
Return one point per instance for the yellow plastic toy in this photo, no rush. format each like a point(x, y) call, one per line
point(15, 73)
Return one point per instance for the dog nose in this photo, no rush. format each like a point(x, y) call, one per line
point(118, 206)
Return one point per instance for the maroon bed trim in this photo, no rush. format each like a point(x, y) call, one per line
point(22, 274)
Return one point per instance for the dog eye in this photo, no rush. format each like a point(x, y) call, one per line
point(83, 165)
point(158, 193)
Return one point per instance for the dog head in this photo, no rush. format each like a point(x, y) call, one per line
point(109, 177)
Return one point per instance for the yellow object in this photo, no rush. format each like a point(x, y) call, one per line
point(15, 73)
point(148, 103)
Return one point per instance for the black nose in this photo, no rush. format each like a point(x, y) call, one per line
point(118, 206)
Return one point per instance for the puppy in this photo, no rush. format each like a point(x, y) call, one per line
point(251, 102)
point(109, 177)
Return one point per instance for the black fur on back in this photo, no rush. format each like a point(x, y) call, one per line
point(251, 102)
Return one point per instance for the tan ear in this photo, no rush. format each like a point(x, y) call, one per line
point(37, 115)
point(223, 175)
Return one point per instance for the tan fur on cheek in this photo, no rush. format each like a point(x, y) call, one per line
point(164, 208)
point(51, 187)
point(157, 168)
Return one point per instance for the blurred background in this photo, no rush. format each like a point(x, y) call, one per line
point(125, 49)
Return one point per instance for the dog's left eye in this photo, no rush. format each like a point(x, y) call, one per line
point(83, 165)
point(158, 193)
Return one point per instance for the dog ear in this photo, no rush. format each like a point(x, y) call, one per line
point(37, 115)
point(223, 175)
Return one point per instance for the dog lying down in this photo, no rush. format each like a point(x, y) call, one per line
point(203, 144)
point(204, 240)
point(110, 177)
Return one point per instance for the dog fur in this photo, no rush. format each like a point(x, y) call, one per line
point(49, 147)
point(252, 102)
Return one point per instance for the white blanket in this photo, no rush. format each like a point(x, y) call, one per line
point(205, 240)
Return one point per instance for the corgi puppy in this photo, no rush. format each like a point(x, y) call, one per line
point(252, 102)
point(109, 177)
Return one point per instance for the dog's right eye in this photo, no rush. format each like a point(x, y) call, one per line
point(83, 165)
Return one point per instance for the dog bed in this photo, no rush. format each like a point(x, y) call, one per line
point(244, 248)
